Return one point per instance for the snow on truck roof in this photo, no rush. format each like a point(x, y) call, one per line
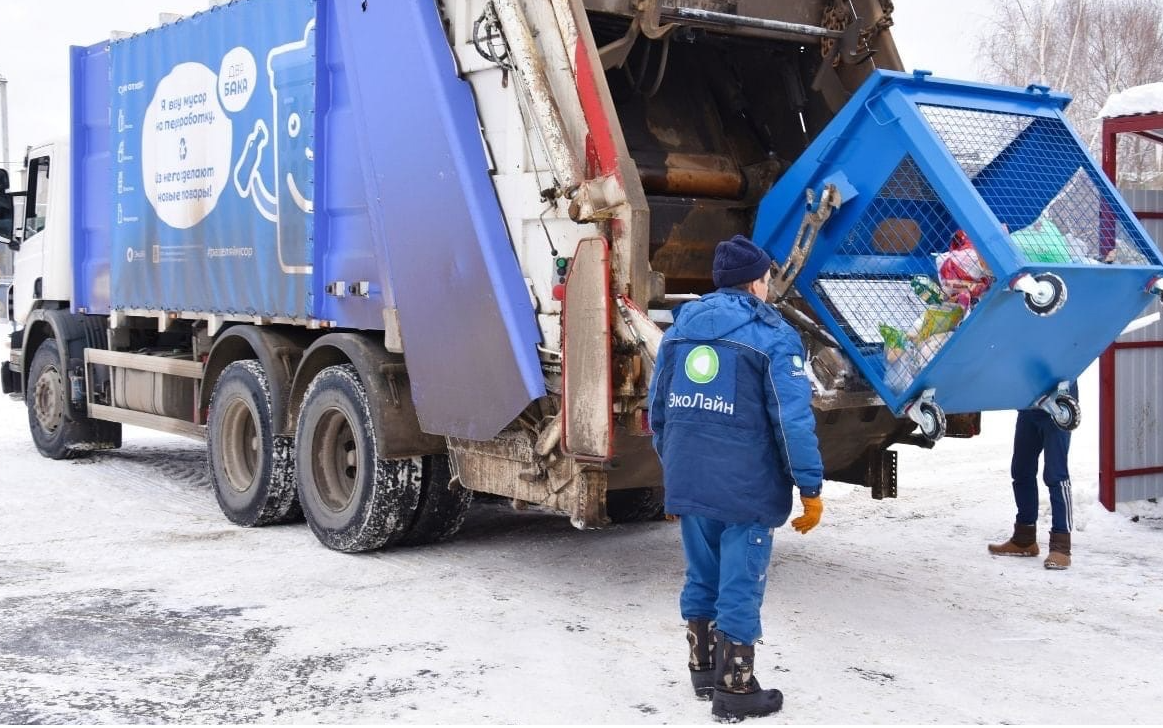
point(1137, 100)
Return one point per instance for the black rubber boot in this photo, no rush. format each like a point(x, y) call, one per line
point(737, 692)
point(700, 635)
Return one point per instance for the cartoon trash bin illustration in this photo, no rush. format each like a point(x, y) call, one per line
point(291, 68)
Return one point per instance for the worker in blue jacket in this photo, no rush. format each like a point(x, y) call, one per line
point(734, 429)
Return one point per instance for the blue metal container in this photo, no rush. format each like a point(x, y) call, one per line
point(962, 193)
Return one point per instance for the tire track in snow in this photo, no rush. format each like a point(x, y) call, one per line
point(172, 478)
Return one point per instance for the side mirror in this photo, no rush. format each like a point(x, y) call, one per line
point(6, 216)
point(3, 180)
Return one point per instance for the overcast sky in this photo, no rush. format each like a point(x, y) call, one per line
point(35, 36)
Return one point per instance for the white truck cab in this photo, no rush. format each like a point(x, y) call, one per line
point(35, 224)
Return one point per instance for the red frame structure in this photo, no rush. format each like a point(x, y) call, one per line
point(1147, 126)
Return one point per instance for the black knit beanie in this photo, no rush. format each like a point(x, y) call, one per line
point(739, 260)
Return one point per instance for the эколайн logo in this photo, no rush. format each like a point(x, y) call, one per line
point(702, 365)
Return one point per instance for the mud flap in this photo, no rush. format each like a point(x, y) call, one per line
point(10, 380)
point(587, 397)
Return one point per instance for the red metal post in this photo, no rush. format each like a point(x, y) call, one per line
point(1106, 362)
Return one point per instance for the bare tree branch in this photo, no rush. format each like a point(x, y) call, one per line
point(1093, 49)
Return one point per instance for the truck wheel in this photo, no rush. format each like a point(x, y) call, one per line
point(443, 504)
point(56, 434)
point(247, 468)
point(353, 500)
point(634, 504)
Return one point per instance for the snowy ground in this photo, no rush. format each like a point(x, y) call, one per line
point(127, 597)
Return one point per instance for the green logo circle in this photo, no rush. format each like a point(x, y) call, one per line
point(702, 364)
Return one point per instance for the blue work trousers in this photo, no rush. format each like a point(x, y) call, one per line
point(1036, 434)
point(726, 574)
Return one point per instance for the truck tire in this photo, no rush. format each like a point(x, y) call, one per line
point(443, 504)
point(55, 432)
point(253, 476)
point(634, 504)
point(352, 499)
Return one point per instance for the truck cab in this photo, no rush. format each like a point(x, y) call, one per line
point(34, 223)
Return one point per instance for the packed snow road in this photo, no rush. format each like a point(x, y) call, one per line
point(126, 597)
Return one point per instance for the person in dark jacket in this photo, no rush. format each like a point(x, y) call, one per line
point(1035, 434)
point(734, 429)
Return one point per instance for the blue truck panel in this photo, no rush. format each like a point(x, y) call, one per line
point(343, 225)
point(91, 159)
point(465, 315)
point(212, 126)
point(306, 159)
point(956, 191)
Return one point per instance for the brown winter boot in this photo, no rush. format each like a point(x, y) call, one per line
point(1059, 556)
point(1024, 542)
point(700, 635)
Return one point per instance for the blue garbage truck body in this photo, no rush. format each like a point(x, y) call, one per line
point(225, 163)
point(384, 255)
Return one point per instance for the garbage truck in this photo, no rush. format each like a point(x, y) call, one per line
point(383, 255)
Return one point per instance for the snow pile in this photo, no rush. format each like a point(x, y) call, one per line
point(1145, 99)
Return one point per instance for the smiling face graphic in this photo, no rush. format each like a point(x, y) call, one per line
point(292, 76)
point(299, 163)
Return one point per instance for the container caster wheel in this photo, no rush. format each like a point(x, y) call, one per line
point(932, 421)
point(928, 415)
point(1065, 412)
point(1045, 293)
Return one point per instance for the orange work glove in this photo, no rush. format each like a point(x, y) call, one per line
point(813, 509)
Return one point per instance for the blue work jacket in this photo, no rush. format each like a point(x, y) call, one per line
point(731, 412)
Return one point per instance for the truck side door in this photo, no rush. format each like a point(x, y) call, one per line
point(28, 262)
